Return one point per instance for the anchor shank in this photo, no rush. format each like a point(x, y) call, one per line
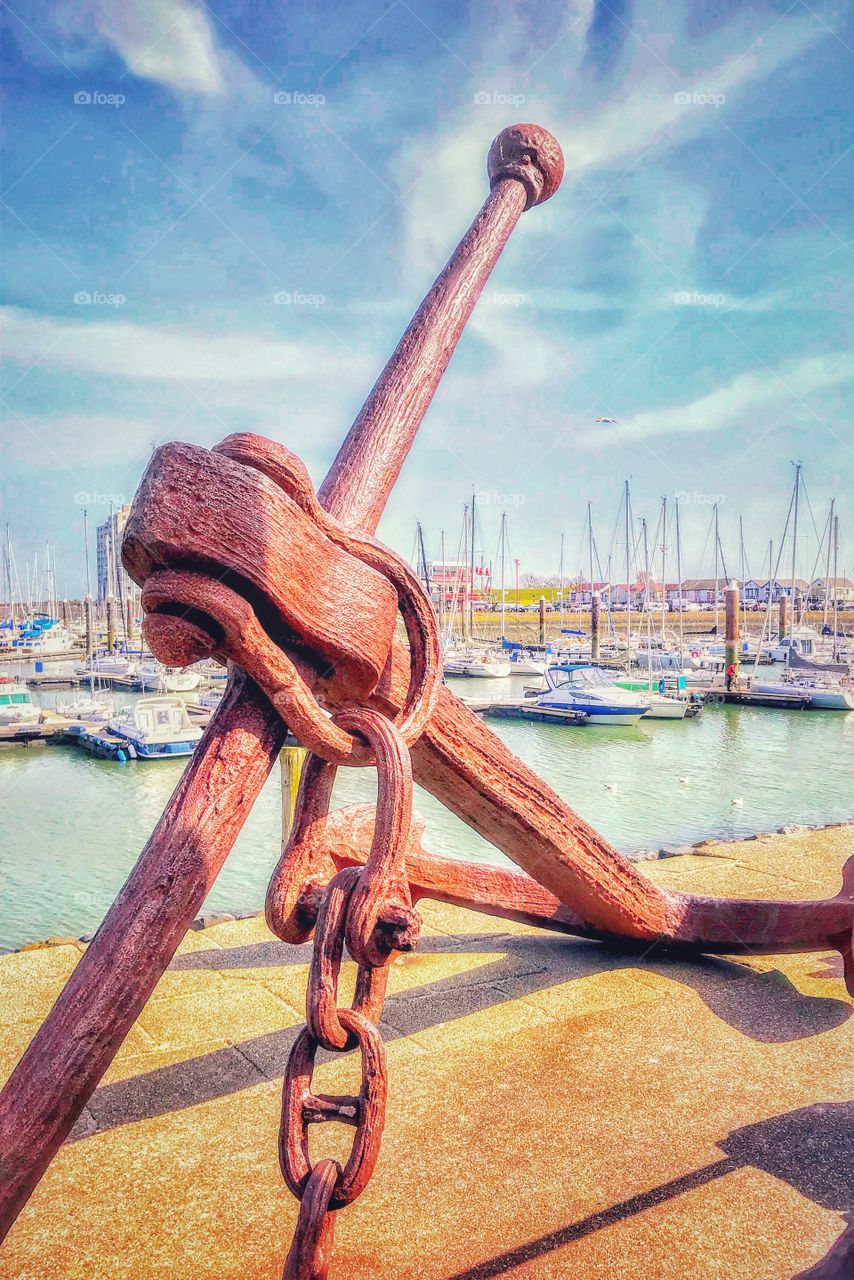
point(93, 1014)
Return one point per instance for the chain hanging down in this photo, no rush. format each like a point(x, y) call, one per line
point(371, 909)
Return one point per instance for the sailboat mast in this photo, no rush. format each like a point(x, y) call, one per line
point(590, 545)
point(646, 605)
point(442, 584)
point(717, 544)
point(663, 567)
point(835, 587)
point(503, 541)
point(561, 579)
point(628, 587)
point(742, 573)
point(830, 527)
point(679, 578)
point(793, 622)
point(471, 570)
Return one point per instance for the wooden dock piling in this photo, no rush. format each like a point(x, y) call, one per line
point(731, 595)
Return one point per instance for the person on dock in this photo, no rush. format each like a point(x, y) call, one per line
point(730, 675)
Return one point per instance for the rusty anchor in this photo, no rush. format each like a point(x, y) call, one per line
point(231, 546)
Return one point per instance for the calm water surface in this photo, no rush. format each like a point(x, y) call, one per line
point(72, 826)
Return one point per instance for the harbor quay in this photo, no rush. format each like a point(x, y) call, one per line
point(557, 1107)
point(426, 726)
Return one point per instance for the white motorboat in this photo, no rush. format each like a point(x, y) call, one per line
point(478, 664)
point(160, 679)
point(210, 699)
point(803, 641)
point(94, 710)
point(157, 728)
point(106, 664)
point(524, 663)
point(581, 687)
point(825, 693)
point(16, 705)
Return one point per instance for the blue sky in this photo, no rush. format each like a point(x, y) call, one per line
point(690, 279)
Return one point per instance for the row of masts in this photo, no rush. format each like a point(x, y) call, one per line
point(637, 554)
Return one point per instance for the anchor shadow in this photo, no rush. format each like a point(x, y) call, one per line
point(763, 1006)
point(812, 1149)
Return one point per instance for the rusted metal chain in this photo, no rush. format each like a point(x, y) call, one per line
point(371, 907)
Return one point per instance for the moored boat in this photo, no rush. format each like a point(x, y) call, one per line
point(16, 705)
point(581, 687)
point(158, 728)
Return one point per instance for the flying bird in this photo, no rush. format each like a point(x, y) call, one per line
point(612, 420)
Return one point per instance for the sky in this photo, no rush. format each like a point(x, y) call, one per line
point(220, 217)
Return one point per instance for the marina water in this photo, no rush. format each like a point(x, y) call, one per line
point(73, 825)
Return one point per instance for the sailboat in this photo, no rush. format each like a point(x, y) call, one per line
point(469, 659)
point(91, 709)
point(827, 690)
point(659, 705)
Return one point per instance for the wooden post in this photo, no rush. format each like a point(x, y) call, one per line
point(784, 616)
point(595, 601)
point(111, 623)
point(543, 621)
point(291, 761)
point(129, 628)
point(732, 636)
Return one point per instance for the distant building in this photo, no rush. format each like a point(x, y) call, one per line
point(112, 578)
point(451, 582)
point(838, 590)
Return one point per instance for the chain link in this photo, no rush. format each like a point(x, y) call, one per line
point(369, 907)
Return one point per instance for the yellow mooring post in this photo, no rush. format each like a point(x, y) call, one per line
point(542, 620)
point(784, 616)
point(291, 761)
point(732, 636)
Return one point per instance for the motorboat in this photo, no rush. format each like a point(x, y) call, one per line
point(153, 675)
point(158, 728)
point(94, 710)
point(825, 693)
point(480, 664)
point(524, 663)
point(42, 637)
point(581, 687)
point(661, 704)
point(16, 705)
point(106, 664)
point(804, 641)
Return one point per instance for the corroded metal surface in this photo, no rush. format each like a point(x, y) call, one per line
point(238, 558)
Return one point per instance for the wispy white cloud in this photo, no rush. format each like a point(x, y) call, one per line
point(170, 41)
point(759, 394)
point(151, 352)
